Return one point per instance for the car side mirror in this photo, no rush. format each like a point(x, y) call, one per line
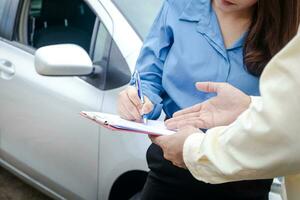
point(63, 60)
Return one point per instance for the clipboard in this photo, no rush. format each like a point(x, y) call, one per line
point(116, 123)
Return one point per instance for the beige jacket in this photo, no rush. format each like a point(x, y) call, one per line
point(264, 142)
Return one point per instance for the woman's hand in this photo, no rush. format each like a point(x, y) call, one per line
point(130, 106)
point(217, 111)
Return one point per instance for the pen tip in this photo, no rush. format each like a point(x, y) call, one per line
point(145, 120)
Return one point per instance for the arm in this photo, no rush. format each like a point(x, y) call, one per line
point(152, 57)
point(150, 65)
point(264, 141)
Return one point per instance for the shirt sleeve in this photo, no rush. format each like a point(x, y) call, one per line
point(152, 57)
point(264, 142)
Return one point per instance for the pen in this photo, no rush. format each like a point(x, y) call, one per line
point(140, 92)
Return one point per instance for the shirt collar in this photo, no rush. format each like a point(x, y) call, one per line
point(197, 11)
point(240, 42)
point(201, 11)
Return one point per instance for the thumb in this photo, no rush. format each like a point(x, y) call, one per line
point(147, 106)
point(208, 86)
point(157, 140)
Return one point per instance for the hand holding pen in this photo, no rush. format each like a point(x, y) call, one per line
point(133, 104)
point(138, 86)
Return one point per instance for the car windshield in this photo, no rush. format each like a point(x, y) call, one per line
point(140, 14)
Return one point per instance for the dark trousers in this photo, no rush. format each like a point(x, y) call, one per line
point(168, 182)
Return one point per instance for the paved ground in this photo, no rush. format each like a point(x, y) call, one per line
point(12, 188)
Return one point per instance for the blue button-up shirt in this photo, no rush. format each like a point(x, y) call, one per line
point(185, 45)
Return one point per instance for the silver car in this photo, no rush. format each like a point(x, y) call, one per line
point(43, 139)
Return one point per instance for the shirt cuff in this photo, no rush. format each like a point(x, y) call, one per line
point(192, 153)
point(196, 153)
point(255, 100)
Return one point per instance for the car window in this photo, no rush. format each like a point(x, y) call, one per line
point(35, 8)
point(8, 10)
point(102, 44)
point(60, 21)
point(113, 70)
point(139, 13)
point(72, 21)
point(2, 7)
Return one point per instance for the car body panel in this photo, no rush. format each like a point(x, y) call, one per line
point(41, 126)
point(48, 143)
point(127, 153)
point(129, 47)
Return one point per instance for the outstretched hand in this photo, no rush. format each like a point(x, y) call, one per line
point(220, 110)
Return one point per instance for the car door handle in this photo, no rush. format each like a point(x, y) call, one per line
point(7, 69)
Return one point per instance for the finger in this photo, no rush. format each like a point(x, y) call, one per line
point(152, 137)
point(188, 129)
point(194, 122)
point(192, 109)
point(172, 123)
point(179, 165)
point(185, 116)
point(125, 113)
point(182, 165)
point(123, 106)
point(133, 111)
point(134, 97)
point(127, 109)
point(175, 163)
point(159, 140)
point(132, 108)
point(208, 86)
point(147, 107)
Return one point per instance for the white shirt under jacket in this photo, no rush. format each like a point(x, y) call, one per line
point(264, 142)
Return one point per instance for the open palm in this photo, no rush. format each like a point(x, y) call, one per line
point(220, 110)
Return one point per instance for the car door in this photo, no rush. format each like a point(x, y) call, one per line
point(42, 136)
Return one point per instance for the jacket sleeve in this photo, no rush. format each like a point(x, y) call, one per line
point(264, 142)
point(152, 57)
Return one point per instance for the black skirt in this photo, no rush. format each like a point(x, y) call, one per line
point(168, 182)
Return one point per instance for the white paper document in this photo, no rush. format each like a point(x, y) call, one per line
point(115, 122)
